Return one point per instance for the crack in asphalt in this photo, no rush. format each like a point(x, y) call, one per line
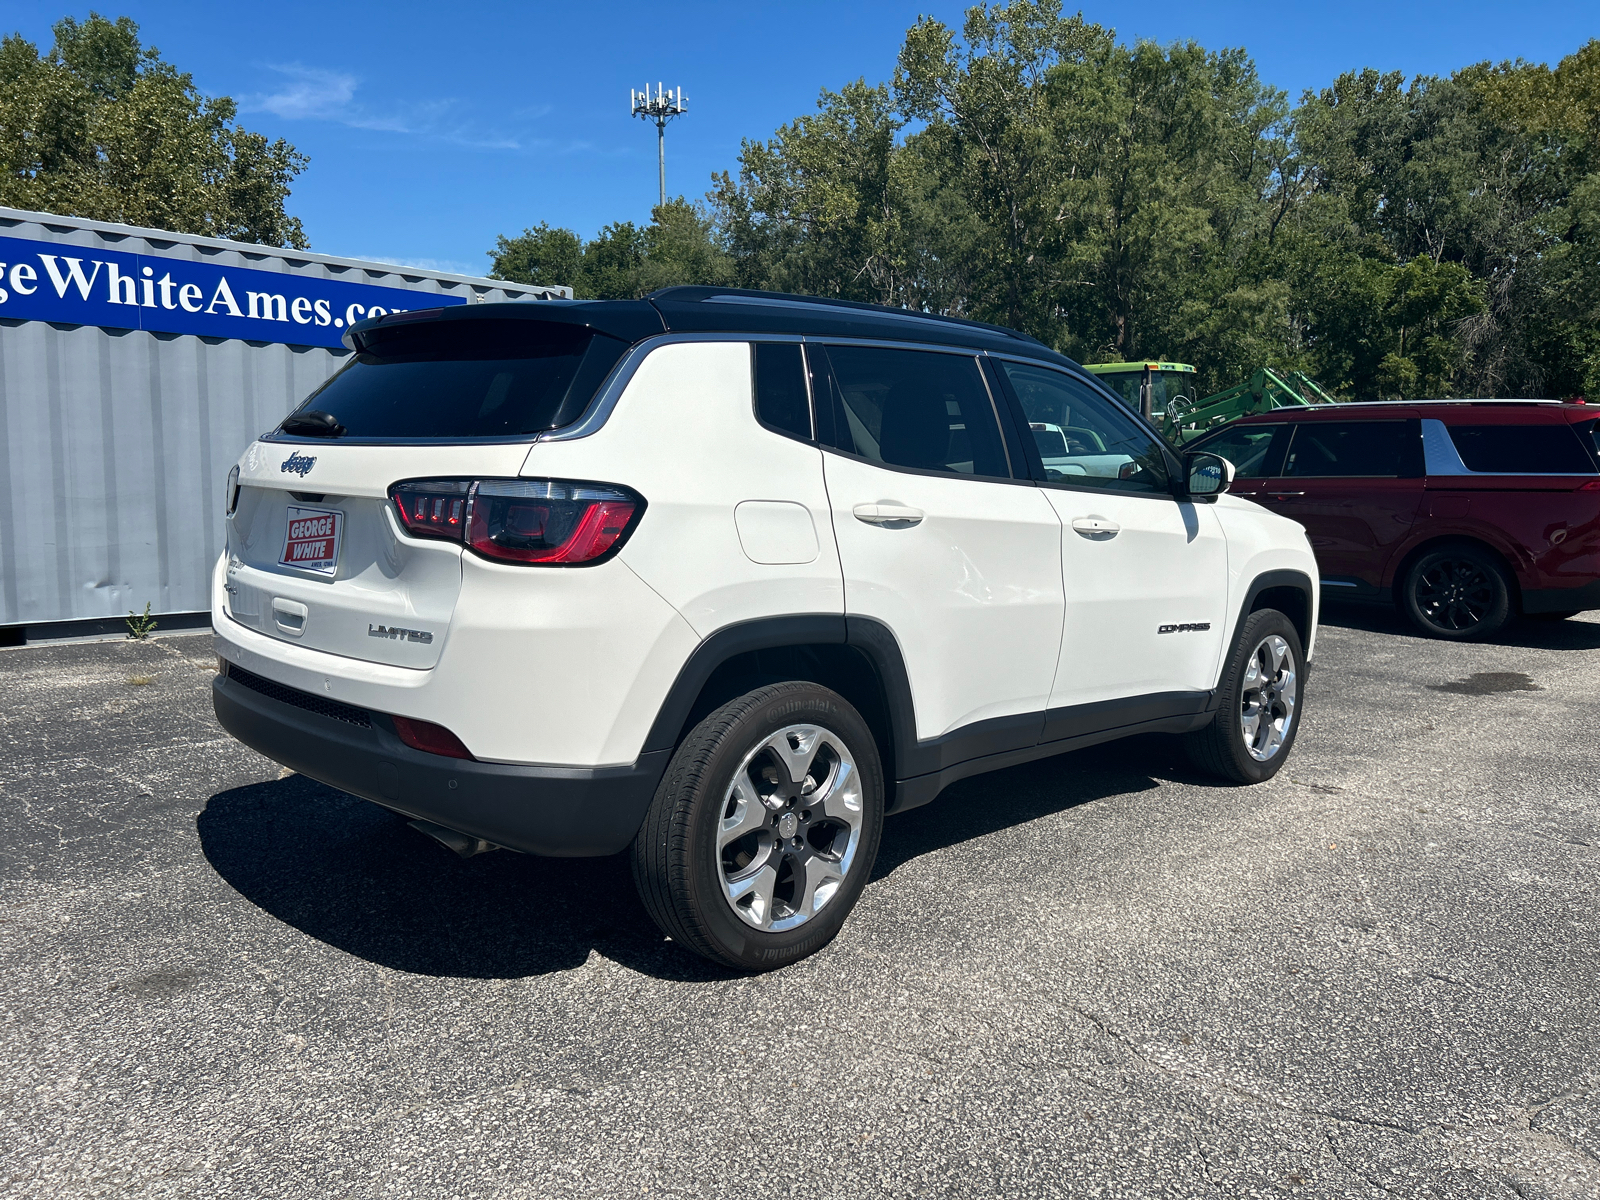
point(1357, 1171)
point(1221, 1085)
point(1205, 1163)
point(1522, 1121)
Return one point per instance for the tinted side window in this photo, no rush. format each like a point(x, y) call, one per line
point(781, 400)
point(1589, 434)
point(1342, 448)
point(1521, 449)
point(1246, 447)
point(1165, 387)
point(1083, 437)
point(1125, 384)
point(914, 408)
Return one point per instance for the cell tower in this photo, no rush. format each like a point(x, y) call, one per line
point(660, 108)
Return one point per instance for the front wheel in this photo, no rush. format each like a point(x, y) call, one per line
point(764, 829)
point(1259, 711)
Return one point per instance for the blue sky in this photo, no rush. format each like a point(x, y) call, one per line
point(433, 127)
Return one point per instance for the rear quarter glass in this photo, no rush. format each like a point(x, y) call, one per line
point(1588, 432)
point(1548, 448)
point(467, 379)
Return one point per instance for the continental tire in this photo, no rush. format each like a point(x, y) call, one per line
point(1260, 706)
point(764, 829)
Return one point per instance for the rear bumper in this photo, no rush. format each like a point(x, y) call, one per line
point(558, 811)
point(1578, 599)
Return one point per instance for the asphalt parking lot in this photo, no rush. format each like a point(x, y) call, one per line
point(1377, 975)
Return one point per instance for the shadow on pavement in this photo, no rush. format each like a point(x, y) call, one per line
point(356, 877)
point(1534, 634)
point(985, 804)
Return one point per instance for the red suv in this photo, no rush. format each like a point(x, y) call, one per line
point(1462, 513)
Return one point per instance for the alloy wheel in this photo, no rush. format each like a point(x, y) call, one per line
point(1267, 697)
point(791, 823)
point(1454, 594)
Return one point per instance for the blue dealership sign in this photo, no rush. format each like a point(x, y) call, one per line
point(55, 281)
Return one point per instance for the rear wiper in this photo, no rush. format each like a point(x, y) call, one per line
point(314, 423)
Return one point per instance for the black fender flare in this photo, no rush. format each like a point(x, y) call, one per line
point(1283, 578)
point(874, 640)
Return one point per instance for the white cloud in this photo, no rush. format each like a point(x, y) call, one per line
point(319, 94)
point(308, 93)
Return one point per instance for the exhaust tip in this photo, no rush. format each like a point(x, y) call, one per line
point(463, 844)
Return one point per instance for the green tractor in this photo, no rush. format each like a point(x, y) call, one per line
point(1149, 387)
point(1166, 394)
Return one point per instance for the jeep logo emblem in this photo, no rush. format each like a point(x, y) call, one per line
point(298, 464)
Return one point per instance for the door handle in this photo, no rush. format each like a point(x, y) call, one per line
point(1090, 526)
point(887, 514)
point(1284, 495)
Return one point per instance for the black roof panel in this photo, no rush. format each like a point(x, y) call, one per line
point(734, 310)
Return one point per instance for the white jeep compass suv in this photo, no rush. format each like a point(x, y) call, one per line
point(727, 577)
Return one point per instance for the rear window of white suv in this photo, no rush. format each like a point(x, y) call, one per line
point(467, 379)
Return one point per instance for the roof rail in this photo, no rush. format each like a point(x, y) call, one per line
point(1432, 401)
point(697, 294)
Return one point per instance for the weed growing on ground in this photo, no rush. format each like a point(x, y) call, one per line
point(140, 625)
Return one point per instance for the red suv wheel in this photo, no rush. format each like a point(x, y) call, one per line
point(1458, 592)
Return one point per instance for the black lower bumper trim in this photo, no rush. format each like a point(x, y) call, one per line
point(558, 811)
point(1578, 599)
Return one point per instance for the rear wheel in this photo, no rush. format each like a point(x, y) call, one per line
point(1258, 715)
point(1458, 592)
point(764, 829)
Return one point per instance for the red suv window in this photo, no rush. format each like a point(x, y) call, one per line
point(1521, 449)
point(1347, 448)
point(1589, 434)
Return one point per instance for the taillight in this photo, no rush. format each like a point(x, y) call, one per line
point(541, 522)
point(231, 496)
point(433, 507)
point(425, 735)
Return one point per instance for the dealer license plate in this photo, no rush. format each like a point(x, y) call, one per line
point(312, 541)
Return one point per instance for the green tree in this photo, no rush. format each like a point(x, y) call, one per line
point(827, 206)
point(1434, 236)
point(681, 245)
point(1112, 201)
point(1174, 156)
point(1556, 115)
point(542, 255)
point(622, 262)
point(103, 128)
point(993, 138)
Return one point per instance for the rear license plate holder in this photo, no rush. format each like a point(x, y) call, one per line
point(311, 540)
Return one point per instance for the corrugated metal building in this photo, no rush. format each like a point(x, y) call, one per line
point(135, 366)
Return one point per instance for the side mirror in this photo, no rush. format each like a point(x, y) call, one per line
point(1208, 475)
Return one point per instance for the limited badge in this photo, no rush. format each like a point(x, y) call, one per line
point(312, 541)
